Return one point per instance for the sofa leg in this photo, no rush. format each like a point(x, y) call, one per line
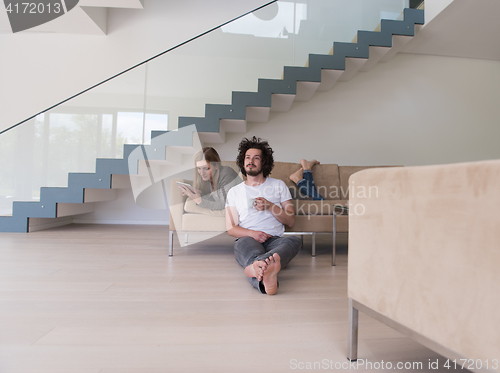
point(171, 243)
point(352, 345)
point(334, 237)
point(313, 250)
point(186, 239)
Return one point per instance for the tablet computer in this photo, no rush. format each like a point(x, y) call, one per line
point(189, 186)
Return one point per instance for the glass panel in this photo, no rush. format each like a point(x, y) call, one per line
point(128, 129)
point(229, 59)
point(108, 137)
point(259, 45)
point(98, 123)
point(154, 122)
point(69, 138)
point(324, 21)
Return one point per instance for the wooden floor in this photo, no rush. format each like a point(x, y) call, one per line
point(108, 299)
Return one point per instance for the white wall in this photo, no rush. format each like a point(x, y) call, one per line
point(412, 110)
point(37, 70)
point(434, 7)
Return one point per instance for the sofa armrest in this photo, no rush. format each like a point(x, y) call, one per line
point(177, 201)
point(424, 252)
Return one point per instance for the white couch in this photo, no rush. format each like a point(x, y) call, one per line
point(424, 258)
point(312, 217)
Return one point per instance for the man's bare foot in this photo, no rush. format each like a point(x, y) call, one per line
point(308, 165)
point(297, 176)
point(256, 269)
point(270, 278)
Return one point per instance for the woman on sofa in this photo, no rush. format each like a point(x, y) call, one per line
point(304, 180)
point(212, 181)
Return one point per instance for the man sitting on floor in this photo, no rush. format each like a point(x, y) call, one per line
point(256, 212)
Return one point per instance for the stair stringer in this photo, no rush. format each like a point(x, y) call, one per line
point(218, 119)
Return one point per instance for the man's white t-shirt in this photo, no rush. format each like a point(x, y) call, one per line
point(241, 196)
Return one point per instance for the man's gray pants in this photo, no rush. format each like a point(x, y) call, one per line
point(247, 250)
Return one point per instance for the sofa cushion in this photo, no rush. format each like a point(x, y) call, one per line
point(203, 223)
point(303, 223)
point(346, 172)
point(326, 178)
point(325, 207)
point(191, 207)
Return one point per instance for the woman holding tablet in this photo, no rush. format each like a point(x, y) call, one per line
point(212, 181)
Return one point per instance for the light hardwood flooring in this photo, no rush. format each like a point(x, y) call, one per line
point(108, 299)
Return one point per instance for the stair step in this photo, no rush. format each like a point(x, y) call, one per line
point(305, 90)
point(213, 137)
point(328, 79)
point(376, 54)
point(120, 182)
point(39, 224)
point(281, 102)
point(34, 209)
point(233, 125)
point(352, 65)
point(11, 224)
point(258, 114)
point(98, 195)
point(70, 209)
point(398, 42)
point(139, 184)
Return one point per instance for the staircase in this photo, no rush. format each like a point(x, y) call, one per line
point(143, 166)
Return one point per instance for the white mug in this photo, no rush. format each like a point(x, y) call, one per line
point(251, 202)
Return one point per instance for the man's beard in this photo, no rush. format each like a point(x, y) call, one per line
point(254, 172)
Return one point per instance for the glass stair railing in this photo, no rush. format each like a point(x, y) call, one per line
point(211, 85)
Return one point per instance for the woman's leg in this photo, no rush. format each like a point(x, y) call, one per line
point(308, 188)
point(304, 180)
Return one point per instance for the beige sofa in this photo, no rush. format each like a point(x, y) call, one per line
point(424, 258)
point(312, 217)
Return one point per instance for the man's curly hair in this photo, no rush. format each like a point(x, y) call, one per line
point(256, 143)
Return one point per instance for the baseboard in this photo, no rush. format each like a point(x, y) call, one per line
point(119, 222)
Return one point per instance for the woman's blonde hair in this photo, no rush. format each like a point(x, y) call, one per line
point(212, 158)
